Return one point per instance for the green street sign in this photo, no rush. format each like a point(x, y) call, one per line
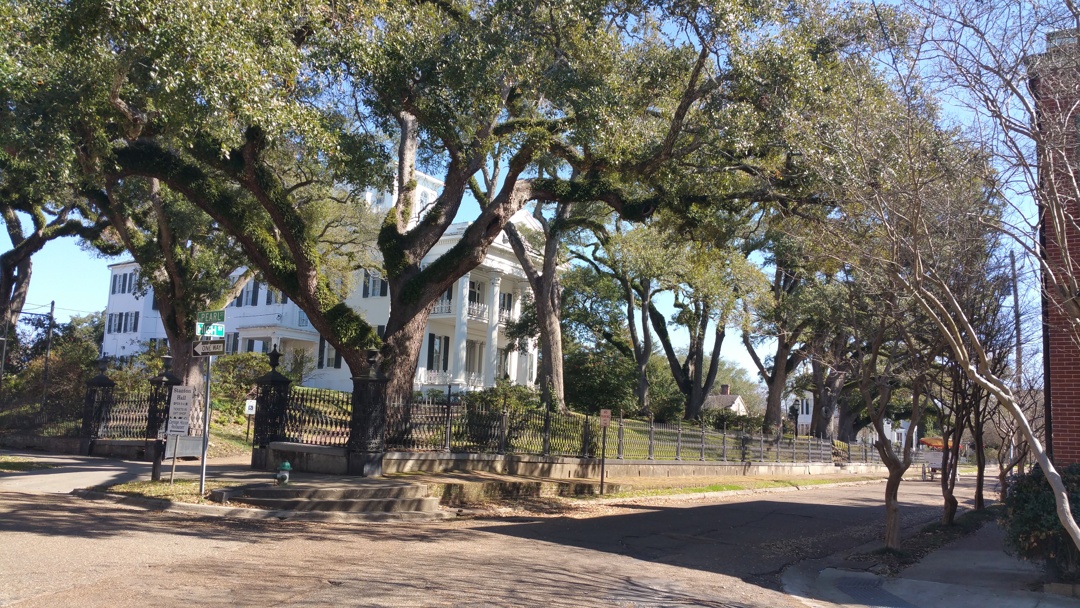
point(210, 316)
point(213, 330)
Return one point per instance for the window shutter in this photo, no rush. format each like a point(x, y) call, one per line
point(123, 283)
point(115, 282)
point(269, 296)
point(322, 351)
point(153, 301)
point(383, 286)
point(240, 299)
point(250, 345)
point(284, 299)
point(135, 321)
point(337, 360)
point(124, 326)
point(108, 323)
point(367, 280)
point(431, 351)
point(380, 330)
point(254, 293)
point(446, 353)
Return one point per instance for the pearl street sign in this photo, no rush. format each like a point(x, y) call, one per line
point(210, 316)
point(207, 348)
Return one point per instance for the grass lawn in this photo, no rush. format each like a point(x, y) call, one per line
point(15, 464)
point(186, 490)
point(227, 438)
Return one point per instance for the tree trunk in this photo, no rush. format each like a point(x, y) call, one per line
point(551, 385)
point(777, 384)
point(401, 352)
point(892, 505)
point(980, 473)
point(14, 285)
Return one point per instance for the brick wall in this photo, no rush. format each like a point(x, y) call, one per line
point(1056, 89)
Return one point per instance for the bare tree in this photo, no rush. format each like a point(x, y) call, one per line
point(1021, 102)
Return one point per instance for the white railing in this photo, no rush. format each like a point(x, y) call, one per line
point(441, 307)
point(434, 376)
point(474, 379)
point(506, 316)
point(477, 310)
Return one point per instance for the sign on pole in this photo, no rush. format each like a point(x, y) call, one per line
point(183, 397)
point(210, 316)
point(249, 407)
point(210, 330)
point(605, 418)
point(207, 348)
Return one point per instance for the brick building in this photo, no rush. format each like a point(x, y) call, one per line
point(1055, 84)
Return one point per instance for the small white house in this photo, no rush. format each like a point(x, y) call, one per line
point(726, 401)
point(464, 348)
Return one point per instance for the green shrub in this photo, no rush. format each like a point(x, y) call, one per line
point(725, 419)
point(1032, 528)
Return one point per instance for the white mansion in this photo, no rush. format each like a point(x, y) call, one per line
point(464, 346)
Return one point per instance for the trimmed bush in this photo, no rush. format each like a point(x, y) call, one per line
point(1032, 528)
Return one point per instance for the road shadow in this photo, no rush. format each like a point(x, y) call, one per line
point(752, 540)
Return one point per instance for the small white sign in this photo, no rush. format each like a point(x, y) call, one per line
point(180, 402)
point(249, 407)
point(605, 418)
point(177, 426)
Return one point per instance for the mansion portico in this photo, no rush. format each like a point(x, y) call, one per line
point(464, 346)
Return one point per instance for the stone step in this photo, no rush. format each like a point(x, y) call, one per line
point(347, 505)
point(338, 493)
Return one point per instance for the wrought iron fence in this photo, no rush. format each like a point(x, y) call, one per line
point(322, 418)
point(53, 418)
point(124, 416)
point(318, 416)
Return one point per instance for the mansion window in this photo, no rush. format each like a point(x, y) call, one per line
point(374, 285)
point(438, 356)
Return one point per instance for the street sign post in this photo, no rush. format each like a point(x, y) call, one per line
point(249, 409)
point(207, 348)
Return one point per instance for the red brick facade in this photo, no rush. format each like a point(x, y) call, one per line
point(1055, 85)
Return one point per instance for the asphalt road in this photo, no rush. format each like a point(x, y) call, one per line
point(57, 550)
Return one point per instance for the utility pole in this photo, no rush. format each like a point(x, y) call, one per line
point(48, 348)
point(1019, 344)
point(1016, 322)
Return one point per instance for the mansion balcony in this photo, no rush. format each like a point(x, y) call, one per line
point(477, 310)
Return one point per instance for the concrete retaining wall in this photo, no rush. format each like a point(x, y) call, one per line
point(56, 445)
point(335, 461)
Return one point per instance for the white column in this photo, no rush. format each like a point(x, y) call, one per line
point(461, 332)
point(512, 359)
point(421, 367)
point(491, 348)
point(523, 358)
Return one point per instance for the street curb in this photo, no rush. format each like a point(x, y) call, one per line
point(725, 493)
point(156, 504)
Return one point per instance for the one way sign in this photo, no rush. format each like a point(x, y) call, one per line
point(206, 348)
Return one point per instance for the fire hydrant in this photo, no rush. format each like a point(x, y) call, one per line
point(282, 476)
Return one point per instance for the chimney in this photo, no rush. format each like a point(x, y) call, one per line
point(725, 389)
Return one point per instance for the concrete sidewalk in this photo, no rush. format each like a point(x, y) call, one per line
point(973, 572)
point(76, 472)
